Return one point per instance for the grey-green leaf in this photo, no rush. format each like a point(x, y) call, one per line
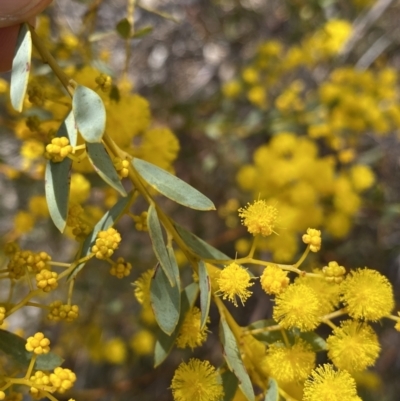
point(14, 347)
point(21, 66)
point(104, 166)
point(164, 342)
point(269, 337)
point(234, 361)
point(165, 301)
point(107, 221)
point(158, 244)
point(172, 187)
point(174, 265)
point(200, 247)
point(205, 293)
point(230, 384)
point(90, 114)
point(57, 177)
point(317, 343)
point(273, 390)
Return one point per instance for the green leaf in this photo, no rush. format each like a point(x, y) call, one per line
point(171, 186)
point(273, 391)
point(142, 32)
point(205, 293)
point(104, 166)
point(124, 28)
point(234, 361)
point(90, 114)
point(21, 66)
point(57, 177)
point(164, 342)
point(14, 347)
point(230, 384)
point(174, 265)
point(269, 337)
point(200, 247)
point(317, 343)
point(165, 301)
point(107, 221)
point(158, 244)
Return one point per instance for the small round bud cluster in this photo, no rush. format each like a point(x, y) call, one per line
point(38, 344)
point(104, 81)
point(120, 269)
point(33, 123)
point(141, 222)
point(58, 149)
point(2, 314)
point(274, 280)
point(39, 261)
point(10, 248)
point(59, 311)
point(47, 280)
point(333, 272)
point(106, 243)
point(313, 238)
point(81, 230)
point(122, 167)
point(62, 379)
point(36, 95)
point(19, 264)
point(41, 381)
point(74, 212)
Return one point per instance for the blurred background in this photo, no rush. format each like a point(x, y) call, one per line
point(294, 101)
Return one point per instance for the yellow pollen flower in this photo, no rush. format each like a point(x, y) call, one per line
point(190, 334)
point(299, 307)
point(274, 280)
point(259, 218)
point(234, 281)
point(290, 364)
point(353, 346)
point(367, 295)
point(329, 385)
point(313, 239)
point(196, 381)
point(142, 287)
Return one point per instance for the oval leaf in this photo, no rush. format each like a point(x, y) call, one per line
point(104, 167)
point(174, 265)
point(164, 342)
point(124, 28)
point(230, 384)
point(158, 244)
point(317, 343)
point(107, 221)
point(172, 187)
point(200, 247)
point(205, 293)
point(234, 361)
point(14, 347)
point(69, 129)
point(273, 391)
point(90, 114)
point(21, 66)
point(165, 301)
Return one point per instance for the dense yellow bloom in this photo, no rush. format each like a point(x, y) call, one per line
point(290, 364)
point(353, 346)
point(274, 280)
point(142, 287)
point(259, 218)
point(38, 344)
point(367, 294)
point(328, 294)
point(313, 238)
point(62, 379)
point(190, 334)
point(47, 280)
point(59, 311)
point(299, 307)
point(142, 343)
point(196, 381)
point(329, 385)
point(233, 282)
